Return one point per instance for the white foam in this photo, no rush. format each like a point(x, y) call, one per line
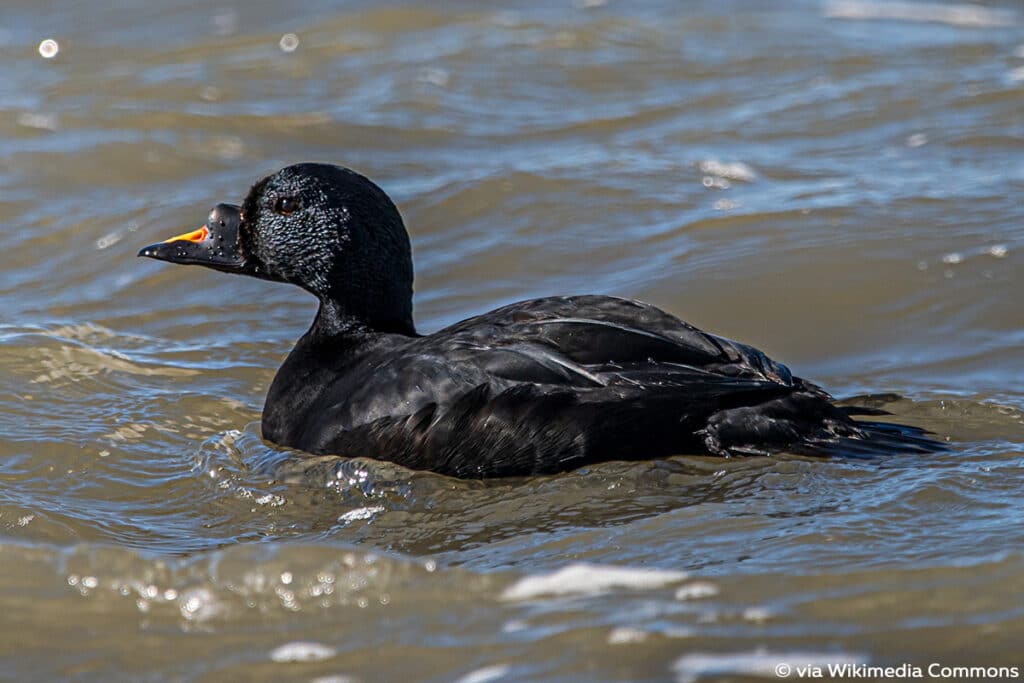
point(697, 590)
point(695, 666)
point(38, 120)
point(976, 16)
point(361, 513)
point(625, 636)
point(485, 674)
point(302, 651)
point(736, 170)
point(588, 579)
point(434, 76)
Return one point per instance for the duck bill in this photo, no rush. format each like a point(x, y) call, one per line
point(215, 245)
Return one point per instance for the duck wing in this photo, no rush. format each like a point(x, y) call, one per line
point(597, 340)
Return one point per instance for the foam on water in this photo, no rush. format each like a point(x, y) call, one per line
point(972, 15)
point(302, 651)
point(692, 667)
point(589, 579)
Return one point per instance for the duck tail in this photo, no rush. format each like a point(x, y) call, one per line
point(808, 423)
point(874, 439)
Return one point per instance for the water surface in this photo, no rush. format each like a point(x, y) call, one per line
point(837, 183)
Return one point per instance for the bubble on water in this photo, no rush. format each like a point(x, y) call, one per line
point(198, 604)
point(90, 581)
point(49, 48)
point(289, 42)
point(26, 520)
point(430, 565)
point(697, 590)
point(302, 651)
point(917, 140)
point(485, 674)
point(998, 250)
point(715, 182)
point(38, 120)
point(434, 76)
point(287, 598)
point(72, 579)
point(170, 595)
point(286, 578)
point(953, 258)
point(625, 636)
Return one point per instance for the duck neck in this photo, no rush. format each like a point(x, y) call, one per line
point(334, 320)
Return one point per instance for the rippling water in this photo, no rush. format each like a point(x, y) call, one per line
point(837, 183)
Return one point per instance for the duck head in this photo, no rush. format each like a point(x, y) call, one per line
point(322, 227)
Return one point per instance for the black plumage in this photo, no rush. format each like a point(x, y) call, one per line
point(538, 386)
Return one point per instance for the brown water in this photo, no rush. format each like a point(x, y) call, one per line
point(840, 190)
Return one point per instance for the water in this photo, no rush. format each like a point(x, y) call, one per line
point(837, 189)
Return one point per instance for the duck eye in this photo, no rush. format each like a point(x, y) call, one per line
point(286, 206)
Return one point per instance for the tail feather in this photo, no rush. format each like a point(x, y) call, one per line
point(874, 439)
point(807, 422)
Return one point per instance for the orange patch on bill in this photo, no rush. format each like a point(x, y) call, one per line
point(199, 235)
